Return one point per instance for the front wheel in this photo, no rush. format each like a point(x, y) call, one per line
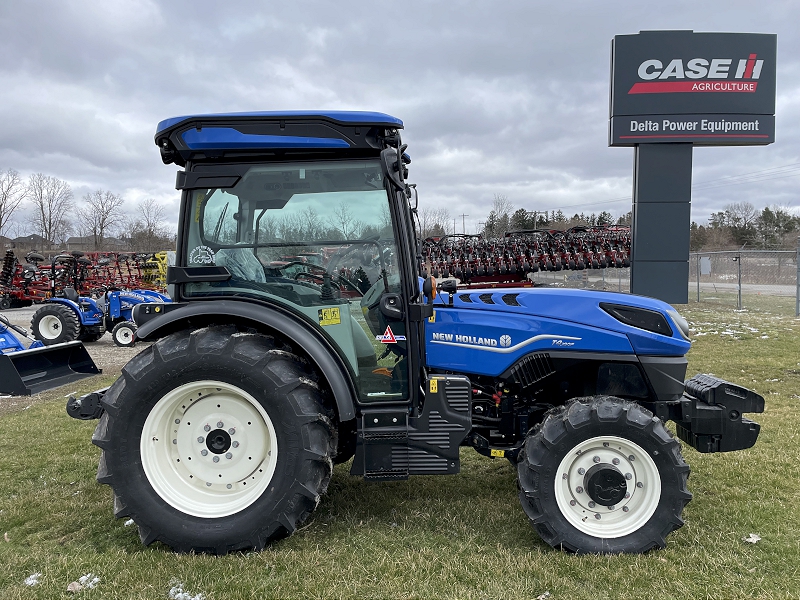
point(603, 475)
point(55, 324)
point(216, 441)
point(123, 334)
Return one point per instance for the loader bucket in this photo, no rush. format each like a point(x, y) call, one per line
point(32, 371)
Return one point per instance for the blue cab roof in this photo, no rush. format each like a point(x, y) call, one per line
point(339, 116)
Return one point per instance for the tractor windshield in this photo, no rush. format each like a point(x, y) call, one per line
point(318, 238)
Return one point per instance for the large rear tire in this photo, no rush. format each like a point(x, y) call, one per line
point(215, 441)
point(603, 475)
point(55, 324)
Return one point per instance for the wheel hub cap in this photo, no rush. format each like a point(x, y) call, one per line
point(218, 441)
point(605, 485)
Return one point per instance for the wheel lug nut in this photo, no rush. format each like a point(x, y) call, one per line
point(564, 476)
point(177, 421)
point(639, 484)
point(614, 461)
point(581, 471)
point(220, 424)
point(596, 459)
point(228, 455)
point(206, 427)
point(579, 490)
point(215, 459)
point(628, 476)
point(229, 486)
point(605, 444)
point(631, 458)
point(591, 504)
point(627, 496)
point(208, 483)
point(235, 444)
point(597, 516)
point(625, 509)
point(231, 431)
point(204, 452)
point(174, 441)
point(201, 439)
point(612, 507)
point(572, 503)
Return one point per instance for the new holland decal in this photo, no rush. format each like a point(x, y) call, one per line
point(504, 345)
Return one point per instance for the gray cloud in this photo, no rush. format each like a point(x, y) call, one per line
point(498, 98)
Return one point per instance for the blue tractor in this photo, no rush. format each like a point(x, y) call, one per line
point(264, 373)
point(72, 317)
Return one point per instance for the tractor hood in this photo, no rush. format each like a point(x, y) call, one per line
point(651, 326)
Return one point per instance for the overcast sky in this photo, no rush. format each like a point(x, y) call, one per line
point(497, 97)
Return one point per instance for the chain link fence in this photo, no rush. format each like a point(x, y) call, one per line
point(767, 280)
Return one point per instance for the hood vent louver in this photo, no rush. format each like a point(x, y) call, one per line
point(511, 299)
point(486, 298)
point(465, 298)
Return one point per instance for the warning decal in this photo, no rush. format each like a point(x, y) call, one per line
point(389, 337)
point(329, 316)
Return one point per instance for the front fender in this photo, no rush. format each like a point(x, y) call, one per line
point(319, 350)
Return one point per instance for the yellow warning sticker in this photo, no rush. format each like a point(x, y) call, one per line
point(329, 316)
point(432, 318)
point(434, 386)
point(498, 453)
point(198, 203)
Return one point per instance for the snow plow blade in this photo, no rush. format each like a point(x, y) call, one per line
point(32, 371)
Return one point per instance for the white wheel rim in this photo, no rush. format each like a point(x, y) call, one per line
point(50, 327)
point(124, 335)
point(642, 480)
point(181, 426)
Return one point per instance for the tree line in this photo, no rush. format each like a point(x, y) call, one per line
point(742, 225)
point(45, 206)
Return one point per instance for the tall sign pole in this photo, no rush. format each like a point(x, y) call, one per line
point(671, 91)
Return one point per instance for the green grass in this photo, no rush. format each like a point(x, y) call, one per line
point(463, 536)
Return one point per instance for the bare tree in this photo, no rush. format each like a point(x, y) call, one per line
point(499, 220)
point(100, 214)
point(345, 223)
point(147, 230)
point(12, 192)
point(52, 200)
point(433, 221)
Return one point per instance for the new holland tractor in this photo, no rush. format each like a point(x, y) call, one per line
point(305, 333)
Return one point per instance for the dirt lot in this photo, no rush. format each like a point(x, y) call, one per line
point(106, 355)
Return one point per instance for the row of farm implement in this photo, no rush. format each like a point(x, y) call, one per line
point(36, 279)
point(475, 260)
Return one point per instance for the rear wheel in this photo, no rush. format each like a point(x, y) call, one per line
point(215, 441)
point(603, 475)
point(124, 334)
point(5, 302)
point(55, 324)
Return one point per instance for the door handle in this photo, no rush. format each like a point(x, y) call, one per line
point(392, 306)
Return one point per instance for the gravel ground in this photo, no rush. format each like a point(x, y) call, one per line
point(107, 356)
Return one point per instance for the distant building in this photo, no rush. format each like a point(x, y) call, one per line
point(26, 243)
point(86, 244)
point(5, 243)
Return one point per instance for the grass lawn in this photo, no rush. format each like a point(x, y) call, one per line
point(463, 536)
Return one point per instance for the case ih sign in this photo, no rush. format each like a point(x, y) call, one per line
point(705, 88)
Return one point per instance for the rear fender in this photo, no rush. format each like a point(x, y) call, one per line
point(92, 316)
point(266, 320)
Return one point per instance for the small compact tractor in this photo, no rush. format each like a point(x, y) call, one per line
point(268, 369)
point(72, 317)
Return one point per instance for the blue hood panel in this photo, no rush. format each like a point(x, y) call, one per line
point(490, 333)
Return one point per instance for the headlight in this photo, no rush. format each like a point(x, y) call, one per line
point(642, 318)
point(681, 323)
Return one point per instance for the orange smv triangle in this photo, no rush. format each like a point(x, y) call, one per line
point(388, 336)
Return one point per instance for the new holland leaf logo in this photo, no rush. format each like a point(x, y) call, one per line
point(389, 337)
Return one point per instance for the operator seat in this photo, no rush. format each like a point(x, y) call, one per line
point(242, 264)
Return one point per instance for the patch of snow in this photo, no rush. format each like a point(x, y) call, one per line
point(177, 592)
point(129, 522)
point(752, 538)
point(32, 579)
point(89, 580)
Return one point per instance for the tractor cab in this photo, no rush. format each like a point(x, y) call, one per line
point(299, 212)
